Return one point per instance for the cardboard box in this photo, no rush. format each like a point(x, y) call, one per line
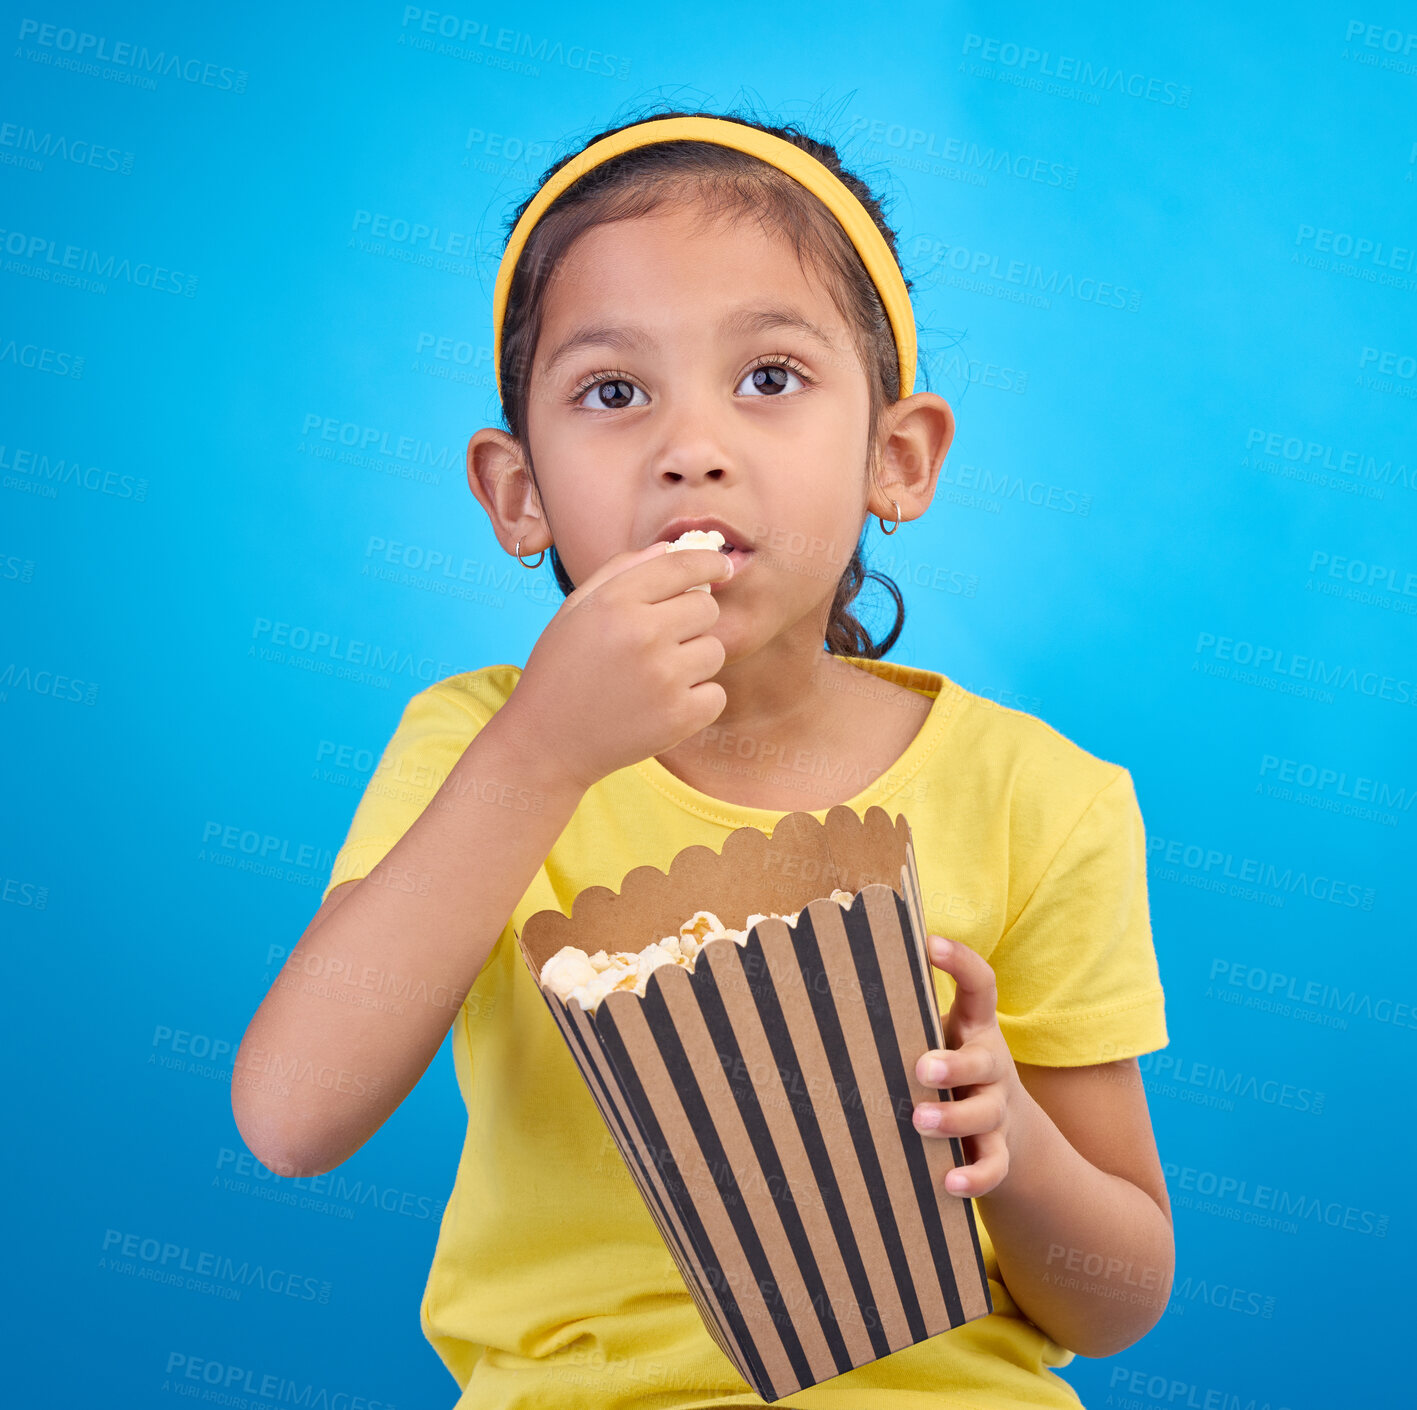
point(763, 1103)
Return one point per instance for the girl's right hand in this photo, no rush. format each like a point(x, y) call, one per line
point(623, 670)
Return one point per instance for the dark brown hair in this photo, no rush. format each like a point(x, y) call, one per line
point(728, 183)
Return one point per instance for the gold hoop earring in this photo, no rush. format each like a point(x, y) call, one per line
point(882, 522)
point(523, 561)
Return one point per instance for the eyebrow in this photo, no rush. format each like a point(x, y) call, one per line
point(735, 323)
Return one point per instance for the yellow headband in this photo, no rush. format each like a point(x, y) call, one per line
point(801, 166)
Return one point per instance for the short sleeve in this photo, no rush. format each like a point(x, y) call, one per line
point(436, 727)
point(1076, 972)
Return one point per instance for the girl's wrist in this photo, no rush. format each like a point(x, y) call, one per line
point(519, 753)
point(1035, 1151)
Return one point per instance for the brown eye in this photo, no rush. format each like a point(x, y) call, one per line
point(770, 379)
point(613, 394)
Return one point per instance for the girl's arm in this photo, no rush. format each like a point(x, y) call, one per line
point(624, 670)
point(1082, 1227)
point(318, 1072)
point(1064, 1172)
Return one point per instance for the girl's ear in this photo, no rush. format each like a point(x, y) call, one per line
point(916, 435)
point(499, 479)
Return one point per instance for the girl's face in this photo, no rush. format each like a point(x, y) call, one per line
point(688, 370)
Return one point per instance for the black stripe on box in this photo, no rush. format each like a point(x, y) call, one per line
point(686, 1084)
point(956, 1146)
point(834, 1041)
point(610, 1110)
point(628, 1150)
point(639, 1103)
point(785, 1054)
point(720, 1029)
point(685, 1258)
point(913, 958)
point(868, 967)
point(927, 1023)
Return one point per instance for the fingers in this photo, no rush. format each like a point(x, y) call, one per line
point(686, 615)
point(702, 659)
point(969, 1066)
point(710, 699)
point(976, 996)
point(976, 1119)
point(978, 1122)
point(986, 1170)
point(974, 1116)
point(618, 564)
point(658, 581)
point(684, 569)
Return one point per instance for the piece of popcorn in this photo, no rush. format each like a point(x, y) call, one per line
point(698, 538)
point(651, 957)
point(616, 976)
point(700, 923)
point(566, 970)
point(588, 996)
point(698, 928)
point(623, 976)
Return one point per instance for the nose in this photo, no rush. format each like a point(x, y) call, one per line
point(716, 472)
point(690, 447)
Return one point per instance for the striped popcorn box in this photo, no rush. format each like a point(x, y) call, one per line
point(763, 1101)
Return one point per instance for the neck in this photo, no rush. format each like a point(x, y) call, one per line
point(790, 690)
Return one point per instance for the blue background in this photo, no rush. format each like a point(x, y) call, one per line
point(177, 479)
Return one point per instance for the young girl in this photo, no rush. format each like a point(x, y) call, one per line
point(661, 284)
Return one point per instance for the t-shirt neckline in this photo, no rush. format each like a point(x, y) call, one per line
point(879, 791)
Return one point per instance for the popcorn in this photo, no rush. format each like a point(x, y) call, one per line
point(567, 969)
point(698, 538)
point(572, 974)
point(651, 957)
point(701, 926)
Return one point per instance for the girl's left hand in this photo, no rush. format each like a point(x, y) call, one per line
point(977, 1065)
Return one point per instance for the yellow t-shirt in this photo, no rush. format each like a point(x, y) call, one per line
point(551, 1285)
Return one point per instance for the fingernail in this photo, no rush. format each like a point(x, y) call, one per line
point(940, 947)
point(926, 1118)
point(935, 1072)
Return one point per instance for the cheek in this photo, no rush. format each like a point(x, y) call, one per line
point(590, 513)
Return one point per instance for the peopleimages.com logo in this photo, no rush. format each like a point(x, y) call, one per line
point(1356, 787)
point(1031, 62)
point(1271, 661)
point(1211, 863)
point(81, 50)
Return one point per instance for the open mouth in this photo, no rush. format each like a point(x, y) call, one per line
point(741, 558)
point(709, 535)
